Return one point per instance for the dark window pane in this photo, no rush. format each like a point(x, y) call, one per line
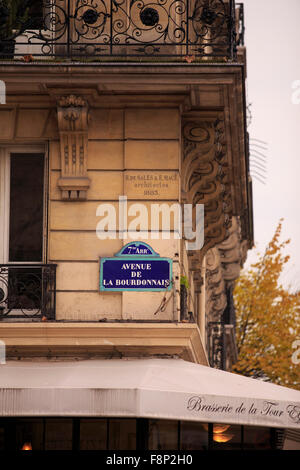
point(35, 14)
point(257, 438)
point(58, 434)
point(193, 436)
point(29, 434)
point(122, 434)
point(93, 434)
point(227, 437)
point(163, 435)
point(26, 207)
point(1, 437)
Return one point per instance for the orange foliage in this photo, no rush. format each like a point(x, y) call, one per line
point(268, 319)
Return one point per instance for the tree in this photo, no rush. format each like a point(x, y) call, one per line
point(267, 319)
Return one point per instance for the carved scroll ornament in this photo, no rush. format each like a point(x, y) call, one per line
point(72, 114)
point(206, 181)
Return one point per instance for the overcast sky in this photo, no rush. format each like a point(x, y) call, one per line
point(273, 56)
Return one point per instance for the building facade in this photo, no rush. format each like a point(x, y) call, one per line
point(122, 112)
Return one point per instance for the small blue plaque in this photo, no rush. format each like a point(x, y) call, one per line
point(136, 267)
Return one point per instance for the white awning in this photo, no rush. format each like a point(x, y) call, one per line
point(149, 388)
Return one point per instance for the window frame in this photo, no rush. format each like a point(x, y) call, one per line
point(5, 153)
point(5, 166)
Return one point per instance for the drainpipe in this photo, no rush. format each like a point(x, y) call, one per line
point(202, 316)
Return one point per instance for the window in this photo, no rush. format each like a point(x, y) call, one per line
point(193, 436)
point(22, 206)
point(45, 433)
point(2, 437)
point(29, 434)
point(163, 434)
point(122, 434)
point(93, 434)
point(22, 214)
point(36, 14)
point(58, 434)
point(226, 437)
point(256, 438)
point(26, 207)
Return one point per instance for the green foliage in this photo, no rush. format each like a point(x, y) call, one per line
point(184, 282)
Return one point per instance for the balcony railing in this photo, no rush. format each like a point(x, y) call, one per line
point(185, 314)
point(240, 19)
point(27, 291)
point(97, 30)
point(216, 344)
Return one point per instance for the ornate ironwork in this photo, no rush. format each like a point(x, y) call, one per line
point(216, 345)
point(27, 291)
point(183, 303)
point(101, 28)
point(185, 314)
point(241, 24)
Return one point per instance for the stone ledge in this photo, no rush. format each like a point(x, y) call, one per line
point(109, 339)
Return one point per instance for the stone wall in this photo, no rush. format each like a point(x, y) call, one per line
point(124, 146)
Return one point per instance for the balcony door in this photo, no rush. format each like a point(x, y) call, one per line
point(22, 221)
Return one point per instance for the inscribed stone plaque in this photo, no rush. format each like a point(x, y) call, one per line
point(151, 184)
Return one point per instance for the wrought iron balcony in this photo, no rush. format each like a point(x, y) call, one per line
point(27, 291)
point(102, 29)
point(240, 19)
point(183, 302)
point(185, 314)
point(216, 344)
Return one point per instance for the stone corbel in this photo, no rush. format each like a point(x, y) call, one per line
point(206, 178)
point(233, 252)
point(192, 100)
point(72, 113)
point(216, 299)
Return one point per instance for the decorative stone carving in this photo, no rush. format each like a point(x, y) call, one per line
point(233, 252)
point(205, 180)
point(72, 112)
point(215, 286)
point(223, 266)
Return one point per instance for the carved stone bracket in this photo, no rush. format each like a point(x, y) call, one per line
point(206, 179)
point(215, 285)
point(223, 266)
point(72, 113)
point(233, 252)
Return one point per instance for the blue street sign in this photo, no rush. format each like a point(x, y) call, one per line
point(136, 267)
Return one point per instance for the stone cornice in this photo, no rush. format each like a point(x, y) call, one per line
point(103, 339)
point(26, 69)
point(95, 81)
